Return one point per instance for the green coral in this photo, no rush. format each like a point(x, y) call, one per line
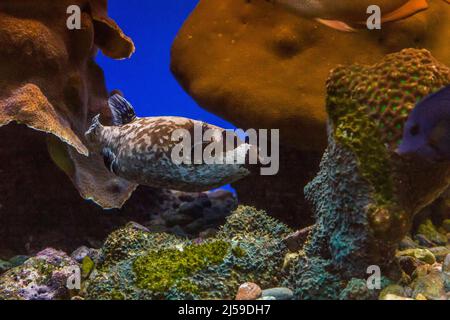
point(249, 247)
point(369, 106)
point(158, 271)
point(355, 130)
point(87, 265)
point(249, 221)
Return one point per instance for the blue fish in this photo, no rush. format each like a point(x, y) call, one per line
point(427, 131)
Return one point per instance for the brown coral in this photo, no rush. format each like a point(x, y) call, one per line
point(260, 66)
point(50, 83)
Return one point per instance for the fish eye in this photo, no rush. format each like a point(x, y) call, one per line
point(414, 131)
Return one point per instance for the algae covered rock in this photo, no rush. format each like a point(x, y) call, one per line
point(420, 254)
point(366, 196)
point(136, 264)
point(43, 277)
point(431, 286)
point(428, 229)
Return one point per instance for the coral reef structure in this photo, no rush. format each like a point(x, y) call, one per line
point(258, 65)
point(135, 264)
point(51, 83)
point(365, 196)
point(261, 66)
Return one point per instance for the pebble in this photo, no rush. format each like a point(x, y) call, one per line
point(395, 297)
point(295, 241)
point(446, 225)
point(5, 266)
point(268, 298)
point(178, 219)
point(136, 226)
point(279, 293)
point(192, 209)
point(424, 255)
point(421, 297)
point(408, 264)
point(430, 286)
point(446, 264)
point(208, 233)
point(249, 291)
point(18, 260)
point(423, 241)
point(407, 243)
point(440, 253)
point(393, 290)
point(79, 254)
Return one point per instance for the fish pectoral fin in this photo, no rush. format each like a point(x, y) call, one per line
point(110, 160)
point(336, 24)
point(408, 9)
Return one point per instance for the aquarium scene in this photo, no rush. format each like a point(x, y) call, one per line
point(241, 152)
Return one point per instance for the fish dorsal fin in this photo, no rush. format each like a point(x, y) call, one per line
point(408, 9)
point(336, 24)
point(122, 111)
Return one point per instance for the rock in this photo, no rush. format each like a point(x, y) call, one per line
point(195, 227)
point(5, 266)
point(395, 297)
point(357, 289)
point(422, 271)
point(249, 291)
point(43, 277)
point(220, 195)
point(407, 243)
point(279, 293)
point(82, 252)
point(440, 253)
point(87, 266)
point(137, 226)
point(409, 264)
point(423, 241)
point(446, 225)
point(424, 255)
point(179, 232)
point(192, 209)
point(268, 298)
point(139, 265)
point(186, 197)
point(446, 264)
point(18, 260)
point(208, 233)
point(295, 241)
point(421, 297)
point(79, 254)
point(428, 229)
point(430, 286)
point(393, 289)
point(177, 219)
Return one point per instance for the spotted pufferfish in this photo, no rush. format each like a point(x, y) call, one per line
point(140, 150)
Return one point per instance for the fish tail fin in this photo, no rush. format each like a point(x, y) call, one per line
point(408, 9)
point(122, 111)
point(337, 25)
